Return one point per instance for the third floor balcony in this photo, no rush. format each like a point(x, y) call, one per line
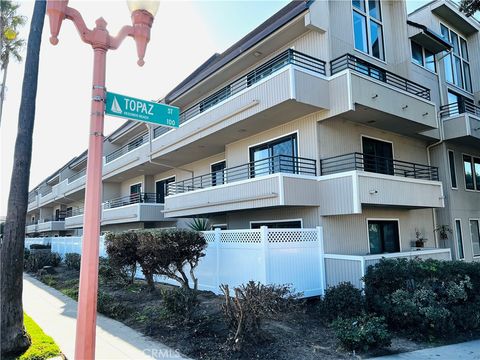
point(366, 93)
point(461, 122)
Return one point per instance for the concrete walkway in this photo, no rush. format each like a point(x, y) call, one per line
point(56, 314)
point(463, 351)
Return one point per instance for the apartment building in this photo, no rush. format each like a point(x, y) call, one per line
point(331, 113)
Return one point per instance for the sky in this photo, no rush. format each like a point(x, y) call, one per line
point(184, 35)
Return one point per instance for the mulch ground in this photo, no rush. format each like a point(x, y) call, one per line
point(299, 334)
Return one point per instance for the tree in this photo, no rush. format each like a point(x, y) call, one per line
point(167, 253)
point(14, 339)
point(11, 45)
point(122, 253)
point(469, 7)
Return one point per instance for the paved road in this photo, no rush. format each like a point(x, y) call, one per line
point(56, 315)
point(463, 351)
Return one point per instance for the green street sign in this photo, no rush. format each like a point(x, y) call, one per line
point(142, 110)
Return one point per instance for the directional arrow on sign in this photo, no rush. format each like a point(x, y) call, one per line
point(141, 110)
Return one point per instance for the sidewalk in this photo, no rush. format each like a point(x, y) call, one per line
point(56, 313)
point(464, 351)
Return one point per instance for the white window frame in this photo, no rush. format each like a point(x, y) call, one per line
point(476, 187)
point(471, 237)
point(462, 59)
point(384, 219)
point(368, 19)
point(454, 169)
point(456, 238)
point(424, 58)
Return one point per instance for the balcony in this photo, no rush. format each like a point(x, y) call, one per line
point(133, 208)
point(74, 218)
point(365, 93)
point(284, 88)
point(31, 228)
point(50, 225)
point(277, 181)
point(132, 145)
point(350, 181)
point(461, 122)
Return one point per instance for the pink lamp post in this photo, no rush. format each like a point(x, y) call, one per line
point(143, 12)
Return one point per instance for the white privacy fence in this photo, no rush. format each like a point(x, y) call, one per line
point(64, 245)
point(271, 256)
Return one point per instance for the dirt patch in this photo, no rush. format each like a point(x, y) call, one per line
point(297, 335)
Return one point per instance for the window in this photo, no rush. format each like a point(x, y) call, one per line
point(274, 156)
point(135, 193)
point(451, 163)
point(423, 57)
point(289, 224)
point(457, 65)
point(377, 156)
point(471, 167)
point(475, 233)
point(458, 234)
point(161, 189)
point(218, 173)
point(383, 236)
point(368, 27)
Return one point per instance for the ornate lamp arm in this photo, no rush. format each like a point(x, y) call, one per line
point(116, 41)
point(84, 32)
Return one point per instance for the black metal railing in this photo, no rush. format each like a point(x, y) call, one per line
point(459, 107)
point(271, 165)
point(74, 212)
point(377, 164)
point(77, 175)
point(136, 198)
point(132, 145)
point(287, 57)
point(361, 66)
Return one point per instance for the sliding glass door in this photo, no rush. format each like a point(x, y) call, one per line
point(274, 156)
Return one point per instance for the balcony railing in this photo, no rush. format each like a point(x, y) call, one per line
point(74, 212)
point(459, 107)
point(77, 176)
point(137, 198)
point(285, 58)
point(361, 66)
point(272, 165)
point(132, 145)
point(377, 164)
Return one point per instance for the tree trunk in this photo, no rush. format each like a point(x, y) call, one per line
point(14, 339)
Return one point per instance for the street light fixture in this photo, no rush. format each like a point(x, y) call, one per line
point(143, 12)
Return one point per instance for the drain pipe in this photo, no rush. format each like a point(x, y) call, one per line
point(150, 139)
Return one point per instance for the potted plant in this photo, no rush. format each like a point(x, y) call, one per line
point(419, 241)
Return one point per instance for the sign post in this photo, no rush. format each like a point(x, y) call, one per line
point(142, 110)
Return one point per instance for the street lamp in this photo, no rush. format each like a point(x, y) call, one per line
point(143, 12)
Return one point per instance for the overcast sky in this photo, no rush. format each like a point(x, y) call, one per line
point(184, 34)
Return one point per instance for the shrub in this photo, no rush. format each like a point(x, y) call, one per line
point(167, 252)
point(38, 259)
point(40, 247)
point(362, 333)
point(250, 304)
point(343, 300)
point(72, 261)
point(107, 305)
point(56, 259)
point(122, 253)
point(425, 298)
point(180, 302)
point(42, 347)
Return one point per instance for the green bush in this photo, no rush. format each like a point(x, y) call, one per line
point(43, 346)
point(362, 333)
point(72, 261)
point(56, 259)
point(343, 300)
point(427, 299)
point(38, 259)
point(180, 302)
point(122, 253)
point(109, 306)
